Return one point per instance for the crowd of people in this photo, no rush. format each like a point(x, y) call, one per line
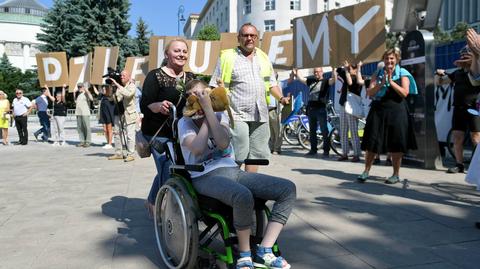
point(256, 99)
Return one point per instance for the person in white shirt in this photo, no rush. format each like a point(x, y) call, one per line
point(21, 108)
point(206, 139)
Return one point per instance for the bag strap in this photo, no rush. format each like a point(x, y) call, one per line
point(157, 75)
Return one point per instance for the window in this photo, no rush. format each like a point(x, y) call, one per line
point(27, 11)
point(247, 6)
point(269, 25)
point(6, 9)
point(269, 4)
point(294, 4)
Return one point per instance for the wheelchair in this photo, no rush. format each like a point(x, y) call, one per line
point(196, 231)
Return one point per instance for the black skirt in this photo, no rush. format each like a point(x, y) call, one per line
point(389, 128)
point(106, 111)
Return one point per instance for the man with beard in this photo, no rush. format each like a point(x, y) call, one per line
point(464, 98)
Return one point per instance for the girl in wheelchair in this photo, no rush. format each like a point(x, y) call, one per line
point(205, 139)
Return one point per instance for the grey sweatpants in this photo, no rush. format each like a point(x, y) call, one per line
point(83, 129)
point(237, 188)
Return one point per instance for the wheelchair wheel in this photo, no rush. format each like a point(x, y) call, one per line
point(176, 227)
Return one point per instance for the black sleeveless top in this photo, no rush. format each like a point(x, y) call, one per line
point(59, 109)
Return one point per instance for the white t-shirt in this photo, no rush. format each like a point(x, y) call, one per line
point(213, 157)
point(20, 106)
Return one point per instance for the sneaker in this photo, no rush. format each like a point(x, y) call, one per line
point(86, 145)
point(342, 158)
point(115, 157)
point(392, 180)
point(55, 144)
point(459, 168)
point(362, 177)
point(36, 136)
point(62, 143)
point(264, 258)
point(79, 145)
point(355, 159)
point(107, 146)
point(129, 158)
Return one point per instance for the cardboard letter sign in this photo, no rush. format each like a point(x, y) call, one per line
point(138, 69)
point(104, 57)
point(157, 47)
point(52, 69)
point(80, 70)
point(202, 56)
point(354, 33)
point(278, 46)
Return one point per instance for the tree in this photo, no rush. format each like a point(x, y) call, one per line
point(142, 38)
point(76, 26)
point(10, 76)
point(208, 32)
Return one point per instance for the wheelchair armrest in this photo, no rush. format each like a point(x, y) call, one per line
point(256, 162)
point(189, 167)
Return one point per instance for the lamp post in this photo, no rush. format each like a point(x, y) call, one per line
point(180, 17)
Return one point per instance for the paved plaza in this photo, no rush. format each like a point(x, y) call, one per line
point(69, 207)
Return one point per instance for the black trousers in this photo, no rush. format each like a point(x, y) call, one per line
point(21, 123)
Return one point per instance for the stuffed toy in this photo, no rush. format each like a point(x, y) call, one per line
point(219, 99)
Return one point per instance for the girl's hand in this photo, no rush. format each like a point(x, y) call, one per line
point(204, 99)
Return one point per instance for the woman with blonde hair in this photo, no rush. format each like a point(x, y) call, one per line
point(4, 116)
point(389, 127)
point(162, 88)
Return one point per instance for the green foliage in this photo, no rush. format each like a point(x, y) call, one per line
point(459, 31)
point(441, 36)
point(143, 38)
point(76, 26)
point(208, 32)
point(12, 78)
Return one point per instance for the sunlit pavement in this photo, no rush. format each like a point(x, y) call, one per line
point(69, 207)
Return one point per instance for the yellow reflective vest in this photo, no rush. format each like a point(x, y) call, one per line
point(227, 59)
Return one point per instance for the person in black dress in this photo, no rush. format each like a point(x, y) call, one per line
point(107, 107)
point(163, 88)
point(388, 127)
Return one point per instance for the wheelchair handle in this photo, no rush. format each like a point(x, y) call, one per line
point(256, 162)
point(189, 167)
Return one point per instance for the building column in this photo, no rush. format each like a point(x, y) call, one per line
point(2, 47)
point(26, 56)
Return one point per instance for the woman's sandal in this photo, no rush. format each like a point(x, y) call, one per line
point(245, 263)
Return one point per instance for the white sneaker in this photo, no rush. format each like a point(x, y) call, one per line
point(55, 144)
point(107, 146)
point(62, 143)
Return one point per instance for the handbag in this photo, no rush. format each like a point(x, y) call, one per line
point(354, 105)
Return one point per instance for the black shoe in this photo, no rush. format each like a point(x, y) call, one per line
point(376, 161)
point(326, 155)
point(311, 153)
point(459, 168)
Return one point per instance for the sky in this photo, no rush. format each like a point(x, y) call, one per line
point(160, 15)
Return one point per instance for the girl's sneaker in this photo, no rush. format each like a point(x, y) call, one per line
point(55, 144)
point(264, 258)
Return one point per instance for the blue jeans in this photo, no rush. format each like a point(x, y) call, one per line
point(163, 171)
point(318, 115)
point(45, 123)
